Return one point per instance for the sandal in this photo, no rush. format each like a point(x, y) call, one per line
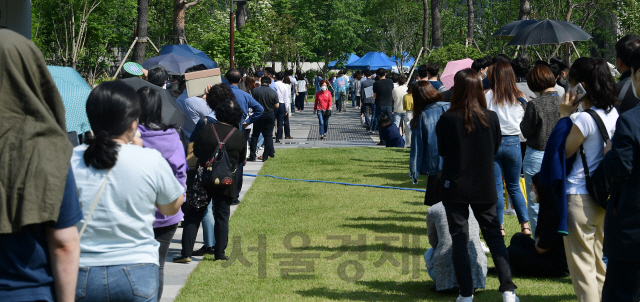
point(527, 228)
point(502, 230)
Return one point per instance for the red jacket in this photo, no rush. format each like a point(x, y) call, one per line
point(323, 101)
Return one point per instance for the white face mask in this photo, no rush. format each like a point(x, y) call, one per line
point(323, 88)
point(563, 81)
point(534, 197)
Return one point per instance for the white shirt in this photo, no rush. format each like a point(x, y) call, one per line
point(284, 95)
point(593, 147)
point(120, 230)
point(509, 116)
point(397, 94)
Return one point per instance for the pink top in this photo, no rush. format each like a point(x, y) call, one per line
point(323, 101)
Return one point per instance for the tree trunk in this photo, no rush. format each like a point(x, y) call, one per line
point(436, 34)
point(241, 15)
point(325, 68)
point(567, 47)
point(425, 24)
point(141, 31)
point(525, 10)
point(470, 21)
point(179, 9)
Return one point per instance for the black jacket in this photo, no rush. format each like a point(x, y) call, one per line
point(626, 99)
point(467, 169)
point(622, 164)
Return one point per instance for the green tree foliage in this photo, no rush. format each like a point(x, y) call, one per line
point(451, 52)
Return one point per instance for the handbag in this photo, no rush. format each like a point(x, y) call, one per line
point(326, 113)
point(433, 193)
point(197, 195)
point(218, 171)
point(598, 183)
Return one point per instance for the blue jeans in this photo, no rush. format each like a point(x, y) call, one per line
point(324, 123)
point(508, 163)
point(531, 166)
point(383, 110)
point(129, 282)
point(374, 117)
point(353, 99)
point(398, 118)
point(208, 225)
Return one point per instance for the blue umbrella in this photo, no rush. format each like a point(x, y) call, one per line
point(189, 52)
point(352, 58)
point(74, 91)
point(372, 61)
point(174, 64)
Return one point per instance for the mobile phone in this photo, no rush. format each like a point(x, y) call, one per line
point(579, 91)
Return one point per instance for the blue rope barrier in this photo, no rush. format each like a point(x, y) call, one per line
point(338, 183)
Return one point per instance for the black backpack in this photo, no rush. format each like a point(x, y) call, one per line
point(218, 171)
point(598, 183)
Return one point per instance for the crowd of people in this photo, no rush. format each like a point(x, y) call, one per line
point(98, 219)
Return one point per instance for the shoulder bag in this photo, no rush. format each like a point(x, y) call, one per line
point(598, 184)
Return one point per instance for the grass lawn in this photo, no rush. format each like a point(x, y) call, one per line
point(386, 227)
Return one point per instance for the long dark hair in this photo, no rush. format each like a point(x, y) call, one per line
point(468, 99)
point(599, 83)
point(503, 84)
point(423, 94)
point(111, 108)
point(151, 105)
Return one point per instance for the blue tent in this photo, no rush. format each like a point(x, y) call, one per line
point(189, 52)
point(406, 62)
point(372, 61)
point(74, 91)
point(352, 58)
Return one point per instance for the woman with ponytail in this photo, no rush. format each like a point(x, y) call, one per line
point(585, 217)
point(120, 185)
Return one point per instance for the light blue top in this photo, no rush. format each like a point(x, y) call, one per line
point(120, 230)
point(340, 84)
point(194, 108)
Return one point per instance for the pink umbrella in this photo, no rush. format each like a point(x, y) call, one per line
point(452, 68)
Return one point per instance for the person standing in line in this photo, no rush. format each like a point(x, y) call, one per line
point(39, 240)
point(294, 86)
point(341, 86)
point(584, 217)
point(560, 72)
point(468, 138)
point(301, 93)
point(480, 66)
point(383, 94)
point(433, 70)
point(356, 88)
point(621, 223)
point(264, 125)
point(407, 105)
point(282, 115)
point(521, 68)
point(367, 100)
point(624, 47)
point(424, 157)
point(322, 107)
point(504, 98)
point(164, 138)
point(246, 102)
point(539, 119)
point(398, 109)
point(120, 184)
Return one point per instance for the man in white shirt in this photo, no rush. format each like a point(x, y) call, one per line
point(282, 115)
point(398, 94)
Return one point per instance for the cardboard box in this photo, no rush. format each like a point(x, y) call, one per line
point(198, 81)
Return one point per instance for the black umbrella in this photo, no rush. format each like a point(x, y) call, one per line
point(549, 32)
point(508, 31)
point(171, 113)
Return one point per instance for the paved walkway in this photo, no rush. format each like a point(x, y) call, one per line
point(344, 131)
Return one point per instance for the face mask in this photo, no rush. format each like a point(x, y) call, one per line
point(563, 81)
point(534, 197)
point(323, 88)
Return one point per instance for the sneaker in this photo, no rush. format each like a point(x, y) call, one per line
point(288, 137)
point(202, 251)
point(511, 212)
point(251, 159)
point(464, 299)
point(182, 259)
point(235, 202)
point(510, 296)
point(223, 258)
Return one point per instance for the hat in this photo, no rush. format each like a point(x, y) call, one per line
point(133, 68)
point(260, 73)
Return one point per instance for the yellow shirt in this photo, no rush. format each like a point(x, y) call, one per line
point(407, 102)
